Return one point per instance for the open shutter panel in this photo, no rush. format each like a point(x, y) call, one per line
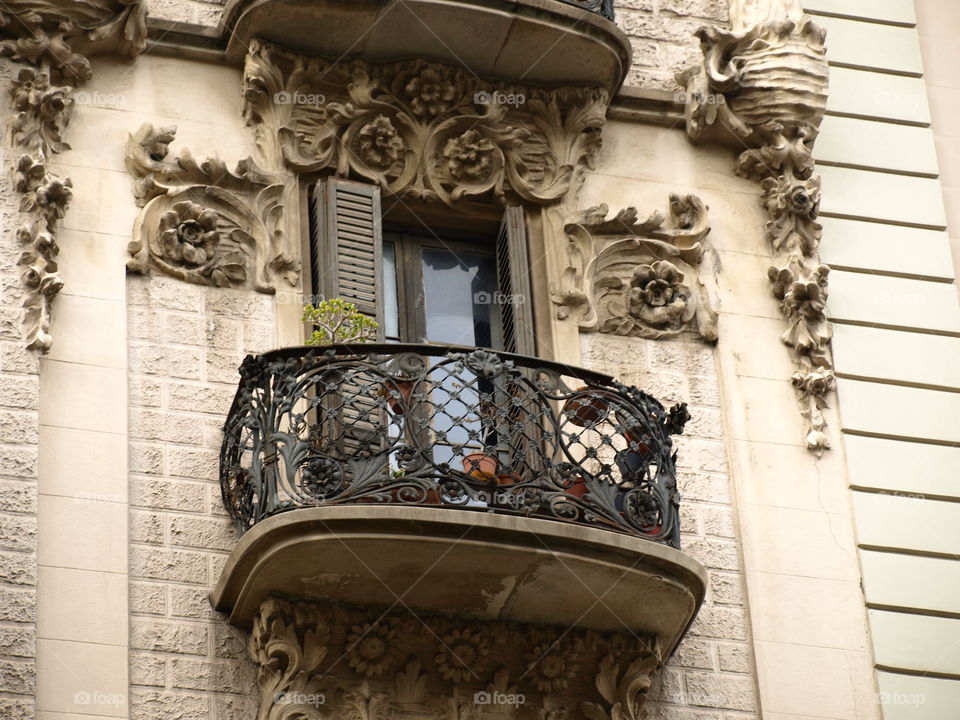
point(513, 277)
point(347, 245)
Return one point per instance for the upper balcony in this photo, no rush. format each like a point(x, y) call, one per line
point(533, 42)
point(355, 470)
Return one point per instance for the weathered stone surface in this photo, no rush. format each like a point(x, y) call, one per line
point(161, 564)
point(148, 598)
point(147, 670)
point(169, 636)
point(18, 532)
point(18, 568)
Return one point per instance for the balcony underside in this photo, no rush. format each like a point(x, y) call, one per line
point(530, 41)
point(474, 564)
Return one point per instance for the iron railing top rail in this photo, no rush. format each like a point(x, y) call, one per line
point(448, 426)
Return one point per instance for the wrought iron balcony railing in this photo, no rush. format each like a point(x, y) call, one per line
point(603, 8)
point(450, 427)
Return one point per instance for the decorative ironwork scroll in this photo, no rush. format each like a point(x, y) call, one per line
point(425, 424)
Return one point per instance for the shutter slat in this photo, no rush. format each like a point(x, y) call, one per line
point(513, 277)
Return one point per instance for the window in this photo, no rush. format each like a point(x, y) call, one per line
point(422, 284)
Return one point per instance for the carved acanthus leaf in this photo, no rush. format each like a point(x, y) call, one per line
point(54, 40)
point(766, 85)
point(422, 128)
point(639, 278)
point(314, 660)
point(203, 223)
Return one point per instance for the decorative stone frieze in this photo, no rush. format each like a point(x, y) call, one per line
point(205, 224)
point(421, 128)
point(53, 39)
point(638, 278)
point(763, 85)
point(321, 660)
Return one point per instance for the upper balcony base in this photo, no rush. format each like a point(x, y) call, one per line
point(534, 42)
point(473, 564)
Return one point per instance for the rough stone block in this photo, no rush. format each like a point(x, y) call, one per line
point(146, 669)
point(205, 533)
point(163, 494)
point(222, 676)
point(18, 532)
point(18, 496)
point(148, 598)
point(18, 568)
point(167, 636)
point(161, 564)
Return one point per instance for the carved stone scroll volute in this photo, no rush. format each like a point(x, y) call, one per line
point(763, 85)
point(205, 224)
point(53, 40)
point(639, 278)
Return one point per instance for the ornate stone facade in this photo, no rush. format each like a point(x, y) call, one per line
point(764, 85)
point(205, 224)
point(421, 128)
point(638, 278)
point(315, 659)
point(53, 40)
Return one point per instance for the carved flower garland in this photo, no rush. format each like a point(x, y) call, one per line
point(42, 36)
point(552, 666)
point(423, 128)
point(370, 648)
point(462, 654)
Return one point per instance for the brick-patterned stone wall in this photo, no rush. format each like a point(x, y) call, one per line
point(19, 431)
point(711, 676)
point(185, 343)
point(661, 33)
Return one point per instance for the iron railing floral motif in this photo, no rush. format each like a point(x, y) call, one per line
point(448, 426)
point(604, 8)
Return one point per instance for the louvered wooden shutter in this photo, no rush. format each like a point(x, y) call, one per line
point(346, 248)
point(513, 279)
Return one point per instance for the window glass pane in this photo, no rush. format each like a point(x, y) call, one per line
point(459, 290)
point(391, 310)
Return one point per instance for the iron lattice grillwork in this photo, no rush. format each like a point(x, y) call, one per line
point(451, 427)
point(604, 8)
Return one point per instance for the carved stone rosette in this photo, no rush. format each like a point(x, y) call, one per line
point(421, 128)
point(53, 39)
point(318, 660)
point(205, 224)
point(638, 278)
point(764, 87)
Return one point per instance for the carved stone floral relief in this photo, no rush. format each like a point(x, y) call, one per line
point(317, 660)
point(205, 224)
point(763, 87)
point(53, 40)
point(427, 130)
point(639, 278)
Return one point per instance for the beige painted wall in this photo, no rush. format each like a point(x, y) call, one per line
point(894, 306)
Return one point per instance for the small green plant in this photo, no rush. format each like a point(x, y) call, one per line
point(337, 321)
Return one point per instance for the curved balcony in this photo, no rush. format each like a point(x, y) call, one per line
point(536, 42)
point(456, 428)
point(452, 479)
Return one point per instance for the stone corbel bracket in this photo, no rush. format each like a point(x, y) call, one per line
point(764, 87)
point(53, 39)
point(639, 278)
point(420, 128)
point(205, 224)
point(316, 660)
